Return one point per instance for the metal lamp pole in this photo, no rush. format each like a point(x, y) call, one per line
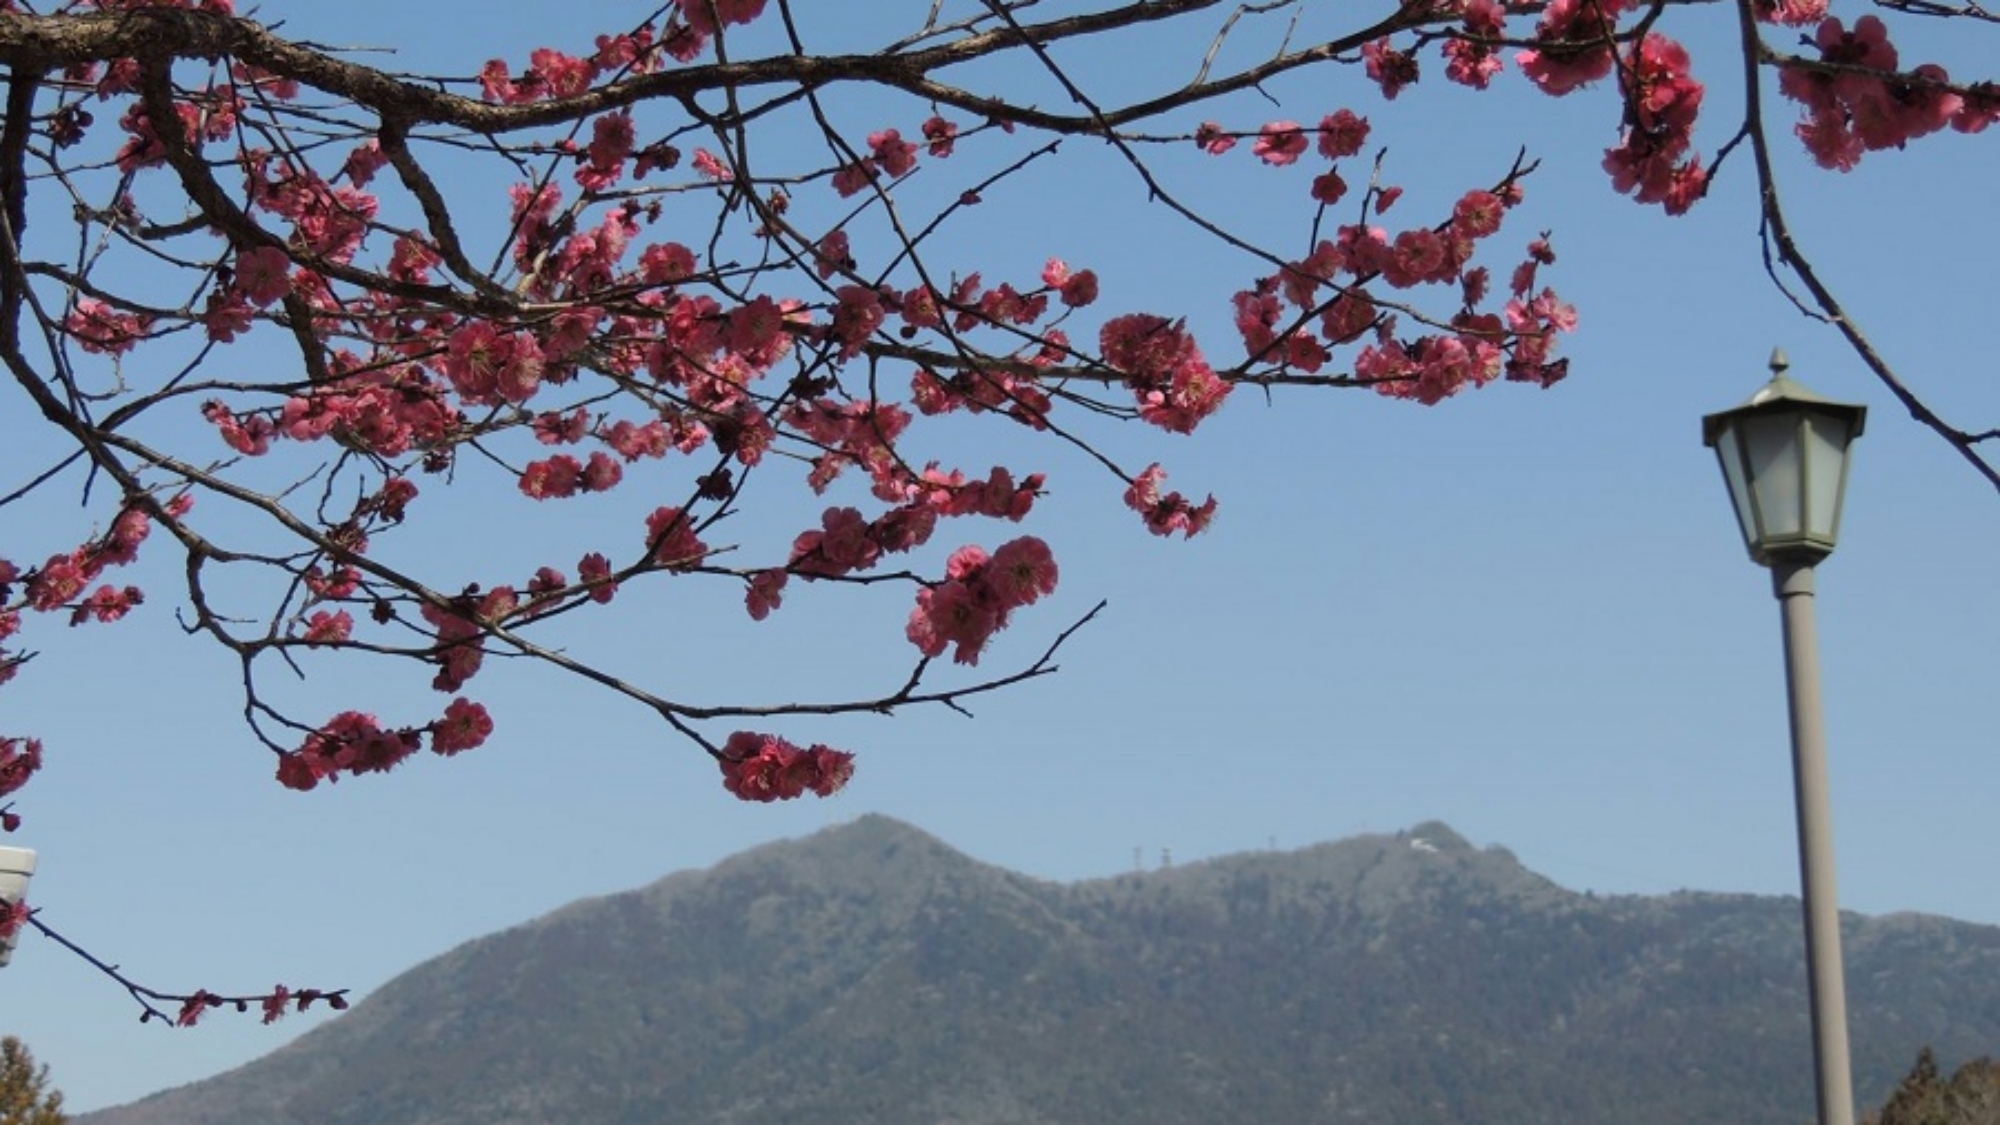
point(1826, 986)
point(1784, 458)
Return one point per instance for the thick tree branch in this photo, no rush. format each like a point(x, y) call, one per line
point(1778, 234)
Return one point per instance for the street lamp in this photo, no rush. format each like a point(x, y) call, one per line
point(1784, 458)
point(16, 865)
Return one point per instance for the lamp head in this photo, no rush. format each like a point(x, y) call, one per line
point(1784, 455)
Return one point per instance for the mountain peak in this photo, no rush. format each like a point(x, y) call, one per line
point(1436, 836)
point(874, 830)
point(870, 840)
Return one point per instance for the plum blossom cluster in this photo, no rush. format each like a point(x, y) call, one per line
point(1865, 104)
point(1168, 513)
point(1574, 45)
point(1280, 144)
point(387, 411)
point(13, 916)
point(1297, 316)
point(888, 155)
point(103, 330)
point(1472, 57)
point(846, 542)
point(19, 759)
point(1655, 164)
point(1173, 384)
point(978, 594)
point(355, 743)
point(552, 74)
point(765, 768)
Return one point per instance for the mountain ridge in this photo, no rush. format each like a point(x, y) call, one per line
point(1408, 976)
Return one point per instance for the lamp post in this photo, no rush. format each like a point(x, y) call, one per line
point(1784, 458)
point(16, 866)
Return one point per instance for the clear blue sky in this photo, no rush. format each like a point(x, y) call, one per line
point(1523, 612)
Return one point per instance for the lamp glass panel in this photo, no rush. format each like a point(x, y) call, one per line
point(1729, 450)
point(1826, 455)
point(1771, 442)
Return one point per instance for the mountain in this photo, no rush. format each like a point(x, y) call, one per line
point(870, 974)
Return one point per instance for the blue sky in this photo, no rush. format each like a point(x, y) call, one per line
point(1523, 612)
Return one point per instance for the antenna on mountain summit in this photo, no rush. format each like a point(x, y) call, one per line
point(1166, 858)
